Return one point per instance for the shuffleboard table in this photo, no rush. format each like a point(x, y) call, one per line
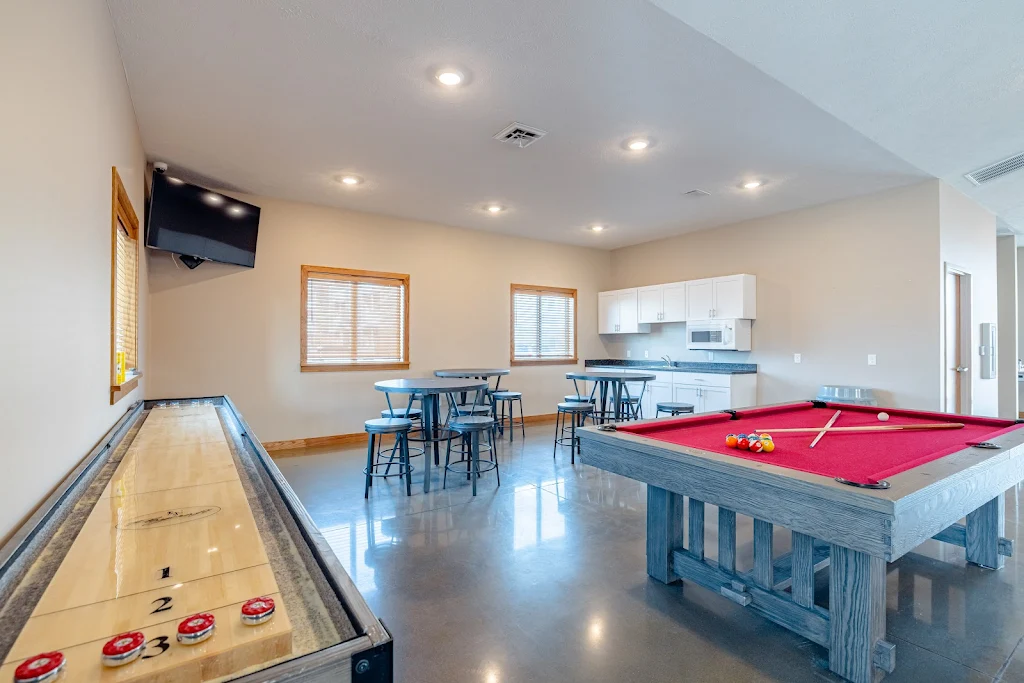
point(176, 552)
point(857, 500)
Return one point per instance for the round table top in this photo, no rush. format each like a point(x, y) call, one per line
point(428, 385)
point(598, 376)
point(472, 372)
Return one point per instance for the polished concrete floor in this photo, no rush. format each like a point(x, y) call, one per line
point(543, 579)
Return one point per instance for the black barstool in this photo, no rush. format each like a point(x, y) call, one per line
point(399, 426)
point(631, 408)
point(470, 428)
point(414, 415)
point(509, 397)
point(577, 413)
point(673, 409)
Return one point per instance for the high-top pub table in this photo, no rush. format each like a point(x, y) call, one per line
point(608, 385)
point(431, 389)
point(854, 502)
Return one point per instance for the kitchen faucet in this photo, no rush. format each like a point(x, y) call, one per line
point(667, 359)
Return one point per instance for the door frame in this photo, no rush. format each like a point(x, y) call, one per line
point(966, 343)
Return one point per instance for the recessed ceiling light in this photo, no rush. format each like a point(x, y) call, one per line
point(351, 180)
point(211, 198)
point(638, 144)
point(175, 181)
point(752, 185)
point(236, 210)
point(495, 208)
point(449, 77)
point(597, 228)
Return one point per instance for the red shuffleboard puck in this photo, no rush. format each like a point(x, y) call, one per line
point(124, 648)
point(257, 611)
point(43, 667)
point(196, 628)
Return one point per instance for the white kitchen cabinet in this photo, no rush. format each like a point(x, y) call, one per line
point(731, 296)
point(684, 393)
point(710, 392)
point(673, 307)
point(650, 303)
point(617, 313)
point(714, 399)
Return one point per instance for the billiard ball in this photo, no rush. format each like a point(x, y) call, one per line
point(756, 446)
point(767, 445)
point(883, 416)
point(730, 440)
point(766, 437)
point(743, 443)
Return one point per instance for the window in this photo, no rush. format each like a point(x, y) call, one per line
point(124, 293)
point(543, 325)
point(353, 320)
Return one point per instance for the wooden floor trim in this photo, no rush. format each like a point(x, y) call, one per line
point(280, 448)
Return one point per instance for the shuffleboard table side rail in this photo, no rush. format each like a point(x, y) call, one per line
point(354, 603)
point(76, 481)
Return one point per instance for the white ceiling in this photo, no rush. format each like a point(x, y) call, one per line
point(938, 82)
point(278, 97)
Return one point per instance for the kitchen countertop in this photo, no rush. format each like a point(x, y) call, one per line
point(677, 366)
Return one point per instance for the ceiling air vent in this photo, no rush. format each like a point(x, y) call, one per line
point(696, 194)
point(997, 170)
point(519, 135)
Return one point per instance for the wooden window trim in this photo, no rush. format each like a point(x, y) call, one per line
point(535, 289)
point(350, 273)
point(121, 213)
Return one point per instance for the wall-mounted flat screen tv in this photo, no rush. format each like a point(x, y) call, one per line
point(193, 221)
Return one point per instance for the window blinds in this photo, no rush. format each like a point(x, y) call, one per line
point(126, 298)
point(354, 319)
point(543, 324)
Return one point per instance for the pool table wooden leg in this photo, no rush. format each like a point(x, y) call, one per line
point(985, 526)
point(857, 616)
point(664, 532)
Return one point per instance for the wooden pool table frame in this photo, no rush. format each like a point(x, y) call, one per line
point(851, 531)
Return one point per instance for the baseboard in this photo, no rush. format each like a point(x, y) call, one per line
point(280, 448)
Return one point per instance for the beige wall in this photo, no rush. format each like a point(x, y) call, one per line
point(223, 329)
point(66, 119)
point(967, 239)
point(834, 283)
point(1006, 274)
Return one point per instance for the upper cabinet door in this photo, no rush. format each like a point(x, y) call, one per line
point(607, 313)
point(700, 299)
point(650, 304)
point(734, 297)
point(628, 311)
point(673, 303)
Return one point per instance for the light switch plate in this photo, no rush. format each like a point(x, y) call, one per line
point(796, 357)
point(872, 359)
point(647, 354)
point(629, 354)
point(711, 355)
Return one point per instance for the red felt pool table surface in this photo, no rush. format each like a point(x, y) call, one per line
point(862, 457)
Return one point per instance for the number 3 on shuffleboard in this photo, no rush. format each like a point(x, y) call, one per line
point(163, 605)
point(159, 643)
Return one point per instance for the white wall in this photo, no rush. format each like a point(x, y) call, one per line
point(66, 119)
point(834, 283)
point(967, 239)
point(222, 329)
point(1006, 274)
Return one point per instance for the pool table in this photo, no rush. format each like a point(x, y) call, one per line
point(854, 502)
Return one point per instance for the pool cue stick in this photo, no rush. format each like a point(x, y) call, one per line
point(868, 428)
point(822, 432)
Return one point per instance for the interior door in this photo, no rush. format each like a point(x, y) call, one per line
point(728, 297)
point(650, 304)
point(628, 312)
point(673, 302)
point(953, 337)
point(607, 313)
point(700, 296)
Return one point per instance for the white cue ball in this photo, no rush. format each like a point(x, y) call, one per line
point(883, 416)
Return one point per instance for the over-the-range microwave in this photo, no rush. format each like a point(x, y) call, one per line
point(718, 335)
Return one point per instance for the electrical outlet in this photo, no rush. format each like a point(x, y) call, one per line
point(711, 355)
point(629, 354)
point(796, 358)
point(872, 359)
point(647, 354)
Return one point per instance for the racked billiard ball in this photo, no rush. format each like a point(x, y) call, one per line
point(743, 443)
point(756, 446)
point(731, 440)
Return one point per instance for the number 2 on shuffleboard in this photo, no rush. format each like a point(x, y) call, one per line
point(163, 605)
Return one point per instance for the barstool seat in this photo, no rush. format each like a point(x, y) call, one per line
point(470, 409)
point(509, 398)
point(376, 429)
point(408, 413)
point(505, 395)
point(471, 427)
point(577, 412)
point(577, 398)
point(673, 408)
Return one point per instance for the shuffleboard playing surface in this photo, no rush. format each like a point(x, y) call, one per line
point(171, 535)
